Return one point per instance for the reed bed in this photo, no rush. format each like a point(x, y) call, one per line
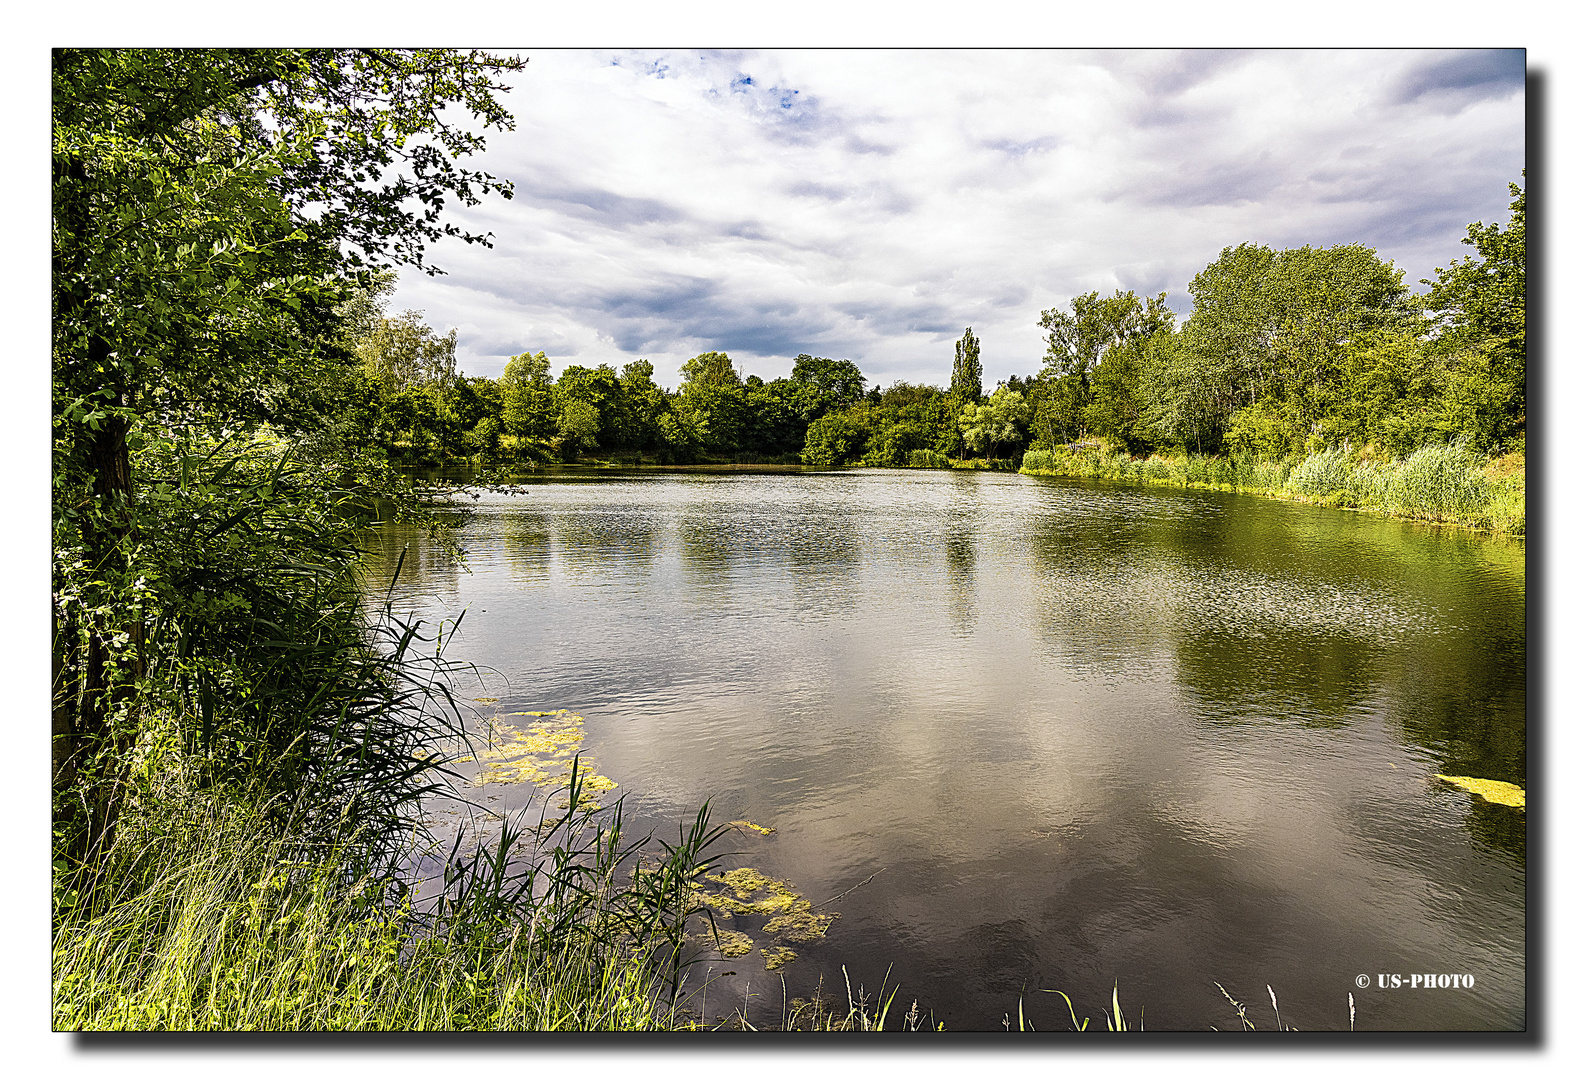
point(215, 922)
point(1440, 482)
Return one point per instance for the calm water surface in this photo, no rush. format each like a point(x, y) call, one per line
point(1078, 732)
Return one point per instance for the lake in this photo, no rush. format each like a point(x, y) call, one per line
point(1079, 733)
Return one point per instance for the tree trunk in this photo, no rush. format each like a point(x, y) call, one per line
point(90, 754)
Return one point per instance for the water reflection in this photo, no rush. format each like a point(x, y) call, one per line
point(1078, 732)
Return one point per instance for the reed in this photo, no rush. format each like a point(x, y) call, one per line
point(217, 922)
point(1440, 482)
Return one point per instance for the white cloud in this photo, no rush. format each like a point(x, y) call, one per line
point(871, 204)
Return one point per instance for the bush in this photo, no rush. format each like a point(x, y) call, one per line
point(928, 459)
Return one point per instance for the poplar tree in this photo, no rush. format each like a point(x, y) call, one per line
point(966, 387)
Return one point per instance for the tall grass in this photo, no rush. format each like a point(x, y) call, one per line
point(216, 922)
point(1440, 482)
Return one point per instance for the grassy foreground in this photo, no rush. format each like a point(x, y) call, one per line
point(1446, 483)
point(209, 918)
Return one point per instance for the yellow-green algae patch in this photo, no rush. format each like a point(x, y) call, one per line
point(541, 753)
point(799, 923)
point(732, 943)
point(1496, 791)
point(777, 958)
point(753, 827)
point(747, 891)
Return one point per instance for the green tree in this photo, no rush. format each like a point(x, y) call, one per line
point(999, 422)
point(1122, 389)
point(1274, 325)
point(836, 438)
point(641, 402)
point(403, 352)
point(966, 386)
point(526, 388)
point(1078, 339)
point(822, 385)
point(210, 209)
point(708, 369)
point(711, 406)
point(1479, 304)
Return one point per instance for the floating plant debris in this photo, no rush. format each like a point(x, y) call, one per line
point(541, 753)
point(1496, 791)
point(764, 830)
point(777, 958)
point(748, 893)
point(732, 943)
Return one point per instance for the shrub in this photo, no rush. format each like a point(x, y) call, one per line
point(928, 459)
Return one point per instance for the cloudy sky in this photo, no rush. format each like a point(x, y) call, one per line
point(872, 204)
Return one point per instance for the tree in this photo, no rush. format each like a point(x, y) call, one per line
point(641, 402)
point(1122, 388)
point(835, 439)
point(1078, 339)
point(998, 421)
point(1273, 326)
point(966, 386)
point(403, 352)
point(822, 385)
point(1479, 304)
point(587, 403)
point(711, 407)
point(527, 391)
point(708, 369)
point(210, 209)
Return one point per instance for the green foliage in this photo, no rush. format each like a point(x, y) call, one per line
point(221, 922)
point(835, 439)
point(403, 352)
point(709, 369)
point(213, 214)
point(1444, 482)
point(1480, 303)
point(821, 385)
point(965, 388)
point(1078, 340)
point(996, 423)
point(527, 392)
point(1272, 326)
point(927, 459)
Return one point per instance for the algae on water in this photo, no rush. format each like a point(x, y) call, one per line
point(747, 892)
point(1496, 791)
point(732, 943)
point(777, 958)
point(752, 826)
point(541, 753)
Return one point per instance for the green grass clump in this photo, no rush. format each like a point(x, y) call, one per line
point(211, 919)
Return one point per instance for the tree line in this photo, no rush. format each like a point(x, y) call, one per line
point(1286, 353)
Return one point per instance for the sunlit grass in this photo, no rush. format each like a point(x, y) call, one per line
point(214, 923)
point(1439, 482)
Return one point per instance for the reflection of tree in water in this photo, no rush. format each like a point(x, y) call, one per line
point(1500, 828)
point(527, 546)
point(1464, 700)
point(959, 547)
point(428, 568)
point(1316, 680)
point(594, 543)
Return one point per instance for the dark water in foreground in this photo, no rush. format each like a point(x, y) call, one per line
point(1078, 732)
